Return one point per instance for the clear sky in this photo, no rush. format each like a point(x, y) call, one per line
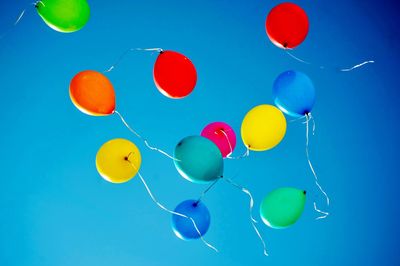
point(56, 210)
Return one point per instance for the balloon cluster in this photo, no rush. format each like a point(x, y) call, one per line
point(199, 158)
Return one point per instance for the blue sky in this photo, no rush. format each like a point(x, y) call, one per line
point(55, 208)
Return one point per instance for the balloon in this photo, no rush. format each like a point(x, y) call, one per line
point(294, 93)
point(282, 207)
point(222, 135)
point(174, 74)
point(92, 93)
point(263, 127)
point(184, 227)
point(64, 15)
point(198, 160)
point(287, 25)
point(118, 160)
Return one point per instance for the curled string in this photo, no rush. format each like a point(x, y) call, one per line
point(357, 66)
point(143, 139)
point(206, 190)
point(168, 210)
point(244, 155)
point(313, 121)
point(251, 205)
point(322, 67)
point(124, 54)
point(325, 214)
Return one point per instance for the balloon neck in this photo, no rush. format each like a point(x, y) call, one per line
point(37, 3)
point(219, 131)
point(304, 192)
point(126, 158)
point(285, 45)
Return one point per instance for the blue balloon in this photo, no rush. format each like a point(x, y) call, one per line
point(183, 227)
point(199, 160)
point(294, 93)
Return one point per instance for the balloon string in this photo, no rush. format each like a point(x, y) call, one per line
point(143, 139)
point(124, 54)
point(302, 117)
point(227, 139)
point(19, 18)
point(251, 205)
point(207, 189)
point(170, 211)
point(324, 214)
point(314, 173)
point(322, 67)
point(246, 153)
point(296, 58)
point(297, 119)
point(357, 66)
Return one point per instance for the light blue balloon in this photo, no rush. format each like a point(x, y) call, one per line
point(294, 93)
point(184, 227)
point(198, 159)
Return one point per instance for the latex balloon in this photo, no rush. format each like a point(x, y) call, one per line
point(222, 135)
point(294, 93)
point(282, 207)
point(64, 15)
point(92, 93)
point(174, 74)
point(198, 159)
point(118, 160)
point(263, 127)
point(287, 25)
point(184, 227)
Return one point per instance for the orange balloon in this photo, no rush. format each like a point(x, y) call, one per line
point(92, 93)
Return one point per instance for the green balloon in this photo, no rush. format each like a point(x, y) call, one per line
point(198, 159)
point(282, 207)
point(64, 15)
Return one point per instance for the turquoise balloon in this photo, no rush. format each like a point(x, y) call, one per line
point(198, 159)
point(282, 207)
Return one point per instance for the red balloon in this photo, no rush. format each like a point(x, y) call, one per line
point(174, 74)
point(287, 25)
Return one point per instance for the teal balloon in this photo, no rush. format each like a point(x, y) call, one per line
point(198, 159)
point(282, 207)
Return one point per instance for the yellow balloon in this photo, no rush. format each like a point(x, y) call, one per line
point(263, 127)
point(118, 160)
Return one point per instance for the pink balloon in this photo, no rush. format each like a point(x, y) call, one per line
point(222, 135)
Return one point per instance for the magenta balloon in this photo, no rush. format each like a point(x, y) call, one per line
point(222, 135)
